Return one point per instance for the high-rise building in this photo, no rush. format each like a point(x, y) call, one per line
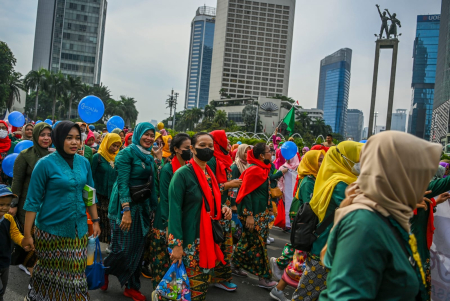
point(441, 102)
point(398, 122)
point(355, 123)
point(200, 58)
point(365, 132)
point(252, 48)
point(69, 38)
point(334, 87)
point(424, 72)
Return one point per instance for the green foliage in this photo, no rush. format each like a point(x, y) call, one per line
point(7, 63)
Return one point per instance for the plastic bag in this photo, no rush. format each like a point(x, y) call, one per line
point(175, 283)
point(95, 273)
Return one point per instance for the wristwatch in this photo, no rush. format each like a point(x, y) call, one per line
point(95, 220)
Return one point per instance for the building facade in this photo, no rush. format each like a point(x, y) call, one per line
point(252, 48)
point(398, 122)
point(423, 78)
point(69, 38)
point(200, 58)
point(441, 102)
point(313, 114)
point(355, 123)
point(334, 87)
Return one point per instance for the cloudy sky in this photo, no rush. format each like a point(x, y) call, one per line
point(147, 42)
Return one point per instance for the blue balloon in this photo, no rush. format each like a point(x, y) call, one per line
point(91, 127)
point(91, 109)
point(22, 145)
point(363, 141)
point(16, 119)
point(114, 123)
point(8, 164)
point(56, 123)
point(39, 121)
point(48, 121)
point(239, 143)
point(289, 150)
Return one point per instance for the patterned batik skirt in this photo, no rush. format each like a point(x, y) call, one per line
point(286, 256)
point(59, 272)
point(312, 282)
point(159, 255)
point(105, 225)
point(251, 251)
point(127, 248)
point(222, 272)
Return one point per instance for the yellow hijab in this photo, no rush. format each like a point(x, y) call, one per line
point(309, 166)
point(103, 150)
point(335, 168)
point(166, 148)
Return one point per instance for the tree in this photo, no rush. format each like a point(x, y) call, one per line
point(35, 80)
point(14, 87)
point(74, 88)
point(56, 84)
point(7, 63)
point(129, 111)
point(249, 118)
point(101, 92)
point(220, 118)
point(44, 108)
point(209, 112)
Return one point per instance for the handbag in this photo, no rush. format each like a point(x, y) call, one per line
point(276, 193)
point(140, 193)
point(95, 273)
point(217, 230)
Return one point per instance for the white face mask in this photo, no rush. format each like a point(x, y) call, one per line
point(3, 134)
point(83, 136)
point(273, 158)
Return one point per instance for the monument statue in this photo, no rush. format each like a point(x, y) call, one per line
point(394, 23)
point(392, 29)
point(384, 25)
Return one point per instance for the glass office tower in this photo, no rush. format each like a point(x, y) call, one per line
point(424, 73)
point(200, 58)
point(355, 124)
point(334, 86)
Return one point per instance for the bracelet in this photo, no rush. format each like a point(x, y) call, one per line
point(95, 220)
point(126, 208)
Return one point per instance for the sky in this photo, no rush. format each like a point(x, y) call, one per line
point(147, 45)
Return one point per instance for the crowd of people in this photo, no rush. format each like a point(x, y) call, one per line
point(213, 205)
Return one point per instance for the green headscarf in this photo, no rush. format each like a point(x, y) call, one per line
point(116, 131)
point(142, 153)
point(34, 153)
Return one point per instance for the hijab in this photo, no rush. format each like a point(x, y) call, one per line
point(142, 153)
point(24, 128)
point(440, 173)
point(305, 149)
point(291, 164)
point(103, 150)
point(127, 137)
point(116, 131)
point(223, 158)
point(90, 135)
point(166, 148)
point(240, 162)
point(309, 166)
point(36, 152)
point(5, 143)
point(446, 166)
point(59, 135)
point(234, 146)
point(335, 168)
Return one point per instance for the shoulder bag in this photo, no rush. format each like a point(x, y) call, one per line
point(140, 193)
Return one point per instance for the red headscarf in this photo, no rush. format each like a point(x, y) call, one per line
point(209, 251)
point(126, 138)
point(223, 161)
point(5, 144)
point(233, 154)
point(320, 147)
point(252, 177)
point(89, 136)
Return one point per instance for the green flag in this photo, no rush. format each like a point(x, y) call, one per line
point(290, 120)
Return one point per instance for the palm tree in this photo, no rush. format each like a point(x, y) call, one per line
point(101, 92)
point(220, 118)
point(14, 87)
point(35, 80)
point(56, 85)
point(209, 112)
point(74, 88)
point(129, 111)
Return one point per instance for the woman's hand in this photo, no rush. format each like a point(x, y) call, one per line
point(250, 222)
point(96, 228)
point(125, 225)
point(177, 255)
point(28, 243)
point(284, 170)
point(236, 183)
point(226, 213)
point(442, 198)
point(158, 153)
point(423, 204)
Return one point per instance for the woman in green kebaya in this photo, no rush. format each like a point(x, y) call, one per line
point(190, 225)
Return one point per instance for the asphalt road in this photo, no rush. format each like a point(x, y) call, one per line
point(247, 287)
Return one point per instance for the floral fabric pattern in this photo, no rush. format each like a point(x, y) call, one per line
point(159, 256)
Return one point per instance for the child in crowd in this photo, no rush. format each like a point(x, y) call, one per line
point(8, 233)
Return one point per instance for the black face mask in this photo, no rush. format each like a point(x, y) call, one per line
point(266, 161)
point(186, 155)
point(204, 154)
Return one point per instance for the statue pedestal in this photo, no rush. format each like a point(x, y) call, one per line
point(383, 44)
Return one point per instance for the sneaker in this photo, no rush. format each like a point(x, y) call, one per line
point(228, 286)
point(271, 239)
point(266, 283)
point(276, 271)
point(105, 286)
point(278, 295)
point(145, 271)
point(29, 286)
point(238, 272)
point(268, 241)
point(134, 294)
point(23, 268)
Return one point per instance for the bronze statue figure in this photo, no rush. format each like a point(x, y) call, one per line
point(384, 25)
point(394, 23)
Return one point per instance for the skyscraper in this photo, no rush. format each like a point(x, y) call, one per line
point(252, 48)
point(200, 58)
point(334, 86)
point(69, 38)
point(424, 72)
point(441, 102)
point(355, 123)
point(398, 122)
